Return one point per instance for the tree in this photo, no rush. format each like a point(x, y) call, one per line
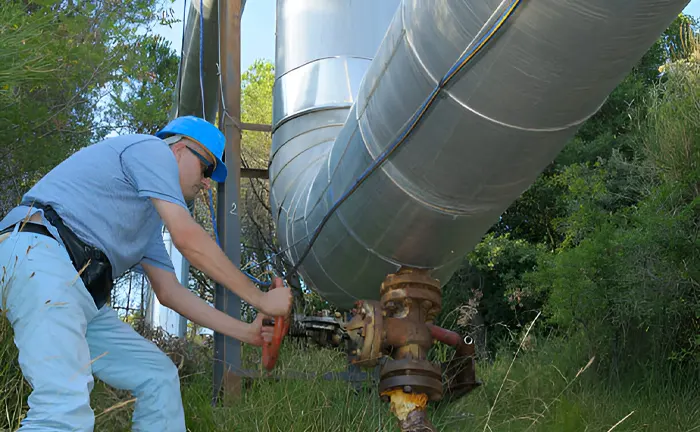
point(256, 107)
point(59, 60)
point(142, 101)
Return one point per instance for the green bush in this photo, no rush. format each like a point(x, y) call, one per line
point(628, 268)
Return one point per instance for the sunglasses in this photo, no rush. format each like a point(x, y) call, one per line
point(208, 166)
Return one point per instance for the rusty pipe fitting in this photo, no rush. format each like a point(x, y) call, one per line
point(464, 346)
point(411, 292)
point(407, 336)
point(460, 372)
point(418, 376)
point(366, 333)
point(409, 299)
point(409, 409)
point(400, 326)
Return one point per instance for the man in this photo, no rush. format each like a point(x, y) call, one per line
point(93, 217)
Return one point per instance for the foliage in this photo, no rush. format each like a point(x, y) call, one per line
point(625, 271)
point(484, 292)
point(531, 217)
point(58, 61)
point(142, 101)
point(256, 218)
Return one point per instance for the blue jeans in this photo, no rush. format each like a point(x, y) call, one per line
point(63, 339)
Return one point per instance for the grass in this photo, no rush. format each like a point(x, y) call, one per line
point(549, 387)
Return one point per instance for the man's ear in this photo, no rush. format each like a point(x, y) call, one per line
point(178, 148)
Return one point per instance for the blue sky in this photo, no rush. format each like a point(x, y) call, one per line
point(258, 29)
point(693, 8)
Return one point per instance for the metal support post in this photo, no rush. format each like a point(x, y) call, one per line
point(227, 351)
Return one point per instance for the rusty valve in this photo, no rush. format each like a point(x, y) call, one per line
point(400, 326)
point(409, 299)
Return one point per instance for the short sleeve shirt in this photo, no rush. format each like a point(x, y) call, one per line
point(103, 193)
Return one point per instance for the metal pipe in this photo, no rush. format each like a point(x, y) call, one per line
point(448, 337)
point(323, 50)
point(339, 103)
point(188, 94)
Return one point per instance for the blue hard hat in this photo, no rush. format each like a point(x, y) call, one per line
point(204, 133)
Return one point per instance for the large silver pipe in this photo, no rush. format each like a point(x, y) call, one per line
point(188, 94)
point(323, 50)
point(482, 143)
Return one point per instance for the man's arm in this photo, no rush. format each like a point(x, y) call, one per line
point(151, 168)
point(173, 295)
point(202, 252)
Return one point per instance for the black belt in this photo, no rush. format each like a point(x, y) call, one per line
point(29, 227)
point(91, 263)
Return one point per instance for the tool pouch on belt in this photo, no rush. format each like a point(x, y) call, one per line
point(91, 263)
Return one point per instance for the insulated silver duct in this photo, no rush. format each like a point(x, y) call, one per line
point(189, 92)
point(188, 95)
point(323, 50)
point(481, 144)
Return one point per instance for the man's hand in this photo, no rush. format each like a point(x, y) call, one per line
point(278, 300)
point(260, 333)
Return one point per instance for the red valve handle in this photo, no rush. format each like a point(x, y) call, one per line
point(270, 350)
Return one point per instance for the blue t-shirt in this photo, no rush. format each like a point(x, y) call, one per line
point(102, 192)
